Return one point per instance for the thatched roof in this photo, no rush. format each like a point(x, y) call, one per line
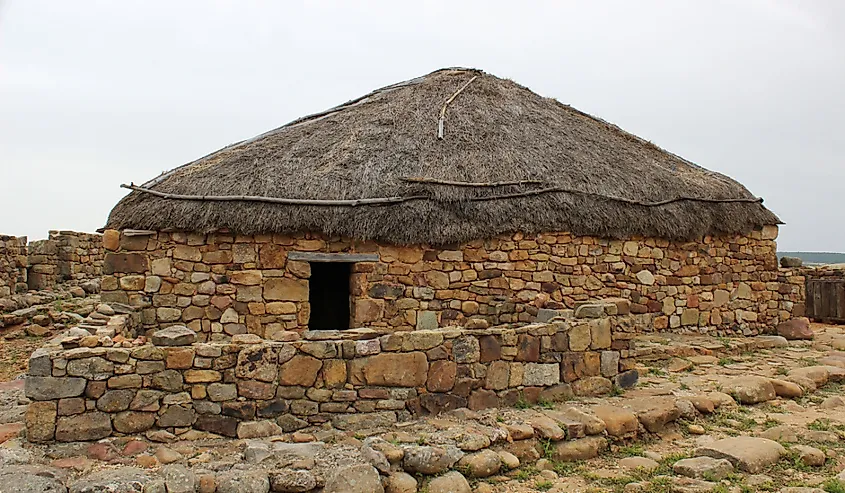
point(506, 160)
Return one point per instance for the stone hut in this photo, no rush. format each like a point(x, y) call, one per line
point(453, 199)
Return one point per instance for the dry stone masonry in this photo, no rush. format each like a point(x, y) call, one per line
point(87, 388)
point(44, 264)
point(222, 284)
point(12, 265)
point(65, 256)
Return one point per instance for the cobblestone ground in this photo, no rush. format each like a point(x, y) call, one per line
point(681, 409)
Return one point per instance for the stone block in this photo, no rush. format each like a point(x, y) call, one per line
point(300, 370)
point(580, 337)
point(490, 349)
point(83, 427)
point(541, 374)
point(441, 376)
point(259, 362)
point(528, 348)
point(125, 263)
point(40, 421)
point(220, 425)
point(498, 375)
point(176, 335)
point(396, 369)
point(132, 422)
point(466, 349)
point(689, 316)
point(600, 334)
point(367, 310)
point(286, 289)
point(609, 363)
point(427, 320)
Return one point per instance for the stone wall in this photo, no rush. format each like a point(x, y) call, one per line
point(65, 256)
point(222, 284)
point(88, 393)
point(12, 265)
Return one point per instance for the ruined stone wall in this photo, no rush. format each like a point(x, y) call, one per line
point(222, 284)
point(65, 256)
point(12, 265)
point(88, 393)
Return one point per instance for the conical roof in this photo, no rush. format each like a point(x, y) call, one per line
point(452, 156)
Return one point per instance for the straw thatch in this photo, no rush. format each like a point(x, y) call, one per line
point(445, 160)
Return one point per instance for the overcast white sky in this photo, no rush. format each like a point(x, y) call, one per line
point(98, 93)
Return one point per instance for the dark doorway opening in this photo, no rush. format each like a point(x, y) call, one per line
point(328, 293)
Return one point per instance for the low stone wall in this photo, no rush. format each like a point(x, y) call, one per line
point(65, 256)
point(232, 389)
point(12, 265)
point(222, 284)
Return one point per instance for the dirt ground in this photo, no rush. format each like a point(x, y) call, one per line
point(15, 348)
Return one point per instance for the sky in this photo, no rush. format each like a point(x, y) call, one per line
point(95, 93)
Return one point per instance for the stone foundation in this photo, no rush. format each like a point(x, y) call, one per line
point(222, 284)
point(12, 265)
point(88, 393)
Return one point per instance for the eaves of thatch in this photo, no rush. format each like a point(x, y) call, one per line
point(452, 156)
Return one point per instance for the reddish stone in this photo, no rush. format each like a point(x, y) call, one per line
point(134, 447)
point(491, 350)
point(560, 342)
point(509, 398)
point(572, 366)
point(95, 390)
point(796, 329)
point(396, 369)
point(482, 399)
point(125, 263)
point(253, 389)
point(639, 308)
point(463, 386)
point(439, 403)
point(221, 425)
point(373, 394)
point(528, 348)
point(13, 385)
point(531, 394)
point(692, 301)
point(441, 376)
point(102, 451)
point(10, 430)
point(300, 370)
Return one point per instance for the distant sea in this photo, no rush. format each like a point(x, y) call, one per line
point(816, 257)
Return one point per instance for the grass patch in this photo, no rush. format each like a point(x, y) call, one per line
point(821, 424)
point(635, 450)
point(543, 485)
point(525, 473)
point(834, 485)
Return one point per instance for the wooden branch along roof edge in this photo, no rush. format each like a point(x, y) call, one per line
point(399, 199)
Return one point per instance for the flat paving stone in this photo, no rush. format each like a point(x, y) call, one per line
point(749, 454)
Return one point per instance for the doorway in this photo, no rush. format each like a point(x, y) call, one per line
point(328, 292)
